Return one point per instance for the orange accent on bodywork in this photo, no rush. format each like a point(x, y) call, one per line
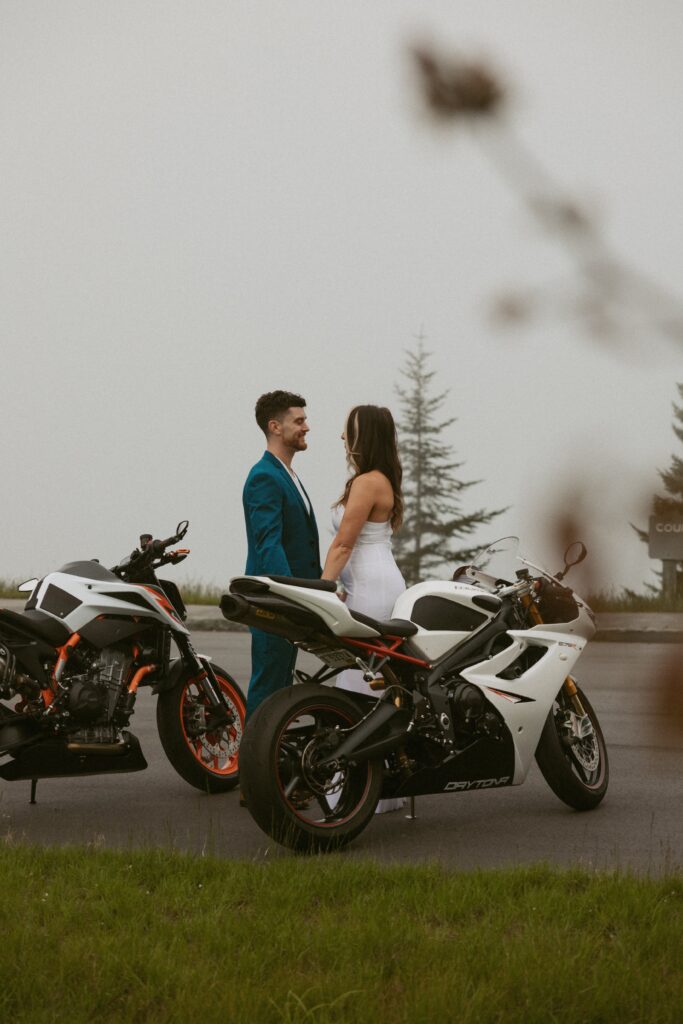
point(139, 676)
point(63, 655)
point(163, 601)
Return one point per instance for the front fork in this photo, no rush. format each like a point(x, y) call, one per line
point(569, 686)
point(205, 677)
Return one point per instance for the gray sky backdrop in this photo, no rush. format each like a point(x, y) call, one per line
point(204, 201)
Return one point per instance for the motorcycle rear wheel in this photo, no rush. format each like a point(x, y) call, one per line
point(294, 799)
point(578, 772)
point(207, 759)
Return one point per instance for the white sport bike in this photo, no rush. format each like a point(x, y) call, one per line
point(473, 680)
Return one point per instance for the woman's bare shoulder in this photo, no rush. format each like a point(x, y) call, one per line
point(374, 480)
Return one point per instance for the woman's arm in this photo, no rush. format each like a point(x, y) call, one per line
point(361, 501)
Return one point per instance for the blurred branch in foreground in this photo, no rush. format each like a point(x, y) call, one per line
point(670, 691)
point(610, 298)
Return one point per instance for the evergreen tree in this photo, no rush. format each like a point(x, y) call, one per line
point(671, 503)
point(434, 521)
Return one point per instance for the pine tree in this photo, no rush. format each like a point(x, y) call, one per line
point(671, 503)
point(433, 518)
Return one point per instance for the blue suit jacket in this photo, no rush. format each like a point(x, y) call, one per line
point(282, 537)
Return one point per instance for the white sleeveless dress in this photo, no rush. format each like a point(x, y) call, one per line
point(373, 582)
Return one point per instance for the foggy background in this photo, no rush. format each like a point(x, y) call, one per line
point(203, 202)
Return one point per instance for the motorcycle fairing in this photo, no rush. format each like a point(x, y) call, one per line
point(485, 761)
point(538, 685)
point(105, 630)
point(85, 598)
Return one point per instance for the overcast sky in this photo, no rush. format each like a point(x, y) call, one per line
point(201, 202)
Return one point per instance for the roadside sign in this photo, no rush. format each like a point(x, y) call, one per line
point(665, 538)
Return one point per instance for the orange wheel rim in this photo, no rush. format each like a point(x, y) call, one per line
point(216, 750)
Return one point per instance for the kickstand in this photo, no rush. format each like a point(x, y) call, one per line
point(411, 816)
point(34, 786)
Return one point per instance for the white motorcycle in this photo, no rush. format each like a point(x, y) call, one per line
point(473, 677)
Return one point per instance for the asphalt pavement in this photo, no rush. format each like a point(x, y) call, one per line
point(638, 827)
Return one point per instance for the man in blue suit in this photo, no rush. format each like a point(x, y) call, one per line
point(282, 536)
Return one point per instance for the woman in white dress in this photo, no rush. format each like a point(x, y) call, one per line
point(364, 518)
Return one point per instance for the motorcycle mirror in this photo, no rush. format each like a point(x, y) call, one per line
point(181, 529)
point(574, 554)
point(28, 587)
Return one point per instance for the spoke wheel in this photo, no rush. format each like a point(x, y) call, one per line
point(296, 798)
point(205, 754)
point(572, 755)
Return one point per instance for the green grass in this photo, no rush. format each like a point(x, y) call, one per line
point(92, 935)
point(8, 588)
point(196, 592)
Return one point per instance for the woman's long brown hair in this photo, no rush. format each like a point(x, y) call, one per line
point(372, 444)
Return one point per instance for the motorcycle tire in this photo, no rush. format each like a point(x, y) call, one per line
point(306, 808)
point(208, 760)
point(577, 773)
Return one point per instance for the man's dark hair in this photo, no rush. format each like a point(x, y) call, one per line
point(273, 406)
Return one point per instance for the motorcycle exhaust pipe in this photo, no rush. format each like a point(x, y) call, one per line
point(271, 615)
point(236, 609)
point(115, 749)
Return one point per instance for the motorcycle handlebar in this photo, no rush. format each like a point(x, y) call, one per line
point(522, 587)
point(151, 549)
point(159, 546)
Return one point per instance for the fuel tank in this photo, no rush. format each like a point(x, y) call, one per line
point(446, 613)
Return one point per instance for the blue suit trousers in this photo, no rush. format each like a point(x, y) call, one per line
point(272, 661)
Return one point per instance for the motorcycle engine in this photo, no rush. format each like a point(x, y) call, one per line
point(472, 715)
point(93, 695)
point(87, 699)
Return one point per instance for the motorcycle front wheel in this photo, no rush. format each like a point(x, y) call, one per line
point(206, 757)
point(291, 794)
point(574, 766)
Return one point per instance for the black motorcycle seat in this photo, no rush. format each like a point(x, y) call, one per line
point(390, 627)
point(295, 581)
point(38, 624)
